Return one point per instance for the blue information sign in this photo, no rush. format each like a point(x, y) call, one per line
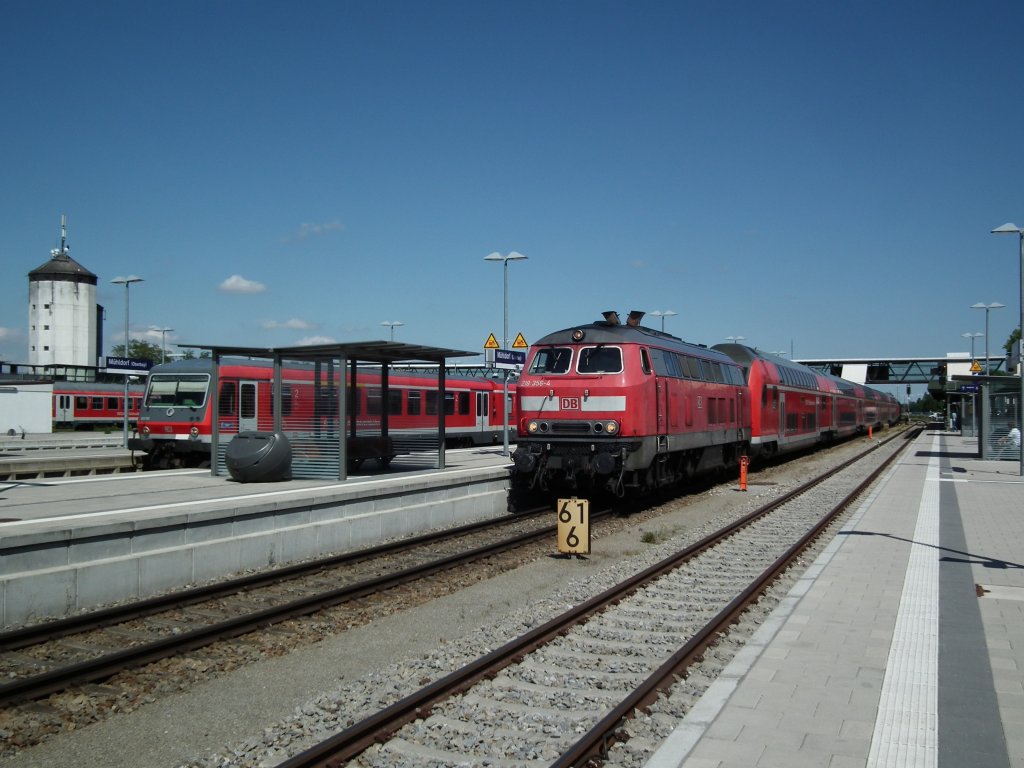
point(504, 358)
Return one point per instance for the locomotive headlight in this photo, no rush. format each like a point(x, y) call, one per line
point(145, 431)
point(611, 427)
point(194, 431)
point(532, 427)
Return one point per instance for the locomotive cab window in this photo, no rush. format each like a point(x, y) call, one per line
point(600, 360)
point(167, 391)
point(551, 360)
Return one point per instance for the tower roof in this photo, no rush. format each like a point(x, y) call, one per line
point(62, 267)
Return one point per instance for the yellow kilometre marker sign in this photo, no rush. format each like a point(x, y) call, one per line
point(574, 526)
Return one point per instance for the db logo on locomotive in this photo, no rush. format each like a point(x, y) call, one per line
point(569, 403)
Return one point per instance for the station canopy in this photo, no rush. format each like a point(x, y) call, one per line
point(325, 441)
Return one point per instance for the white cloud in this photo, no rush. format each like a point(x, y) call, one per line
point(238, 284)
point(295, 324)
point(9, 334)
point(308, 229)
point(311, 340)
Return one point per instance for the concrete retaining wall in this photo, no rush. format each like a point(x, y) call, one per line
point(67, 571)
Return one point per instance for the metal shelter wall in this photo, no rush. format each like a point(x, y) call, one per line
point(334, 413)
point(1000, 402)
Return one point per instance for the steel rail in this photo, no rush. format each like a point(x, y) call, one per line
point(45, 683)
point(593, 747)
point(51, 630)
point(379, 727)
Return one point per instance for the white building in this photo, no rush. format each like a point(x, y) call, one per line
point(63, 318)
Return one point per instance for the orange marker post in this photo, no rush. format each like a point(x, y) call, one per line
point(869, 432)
point(744, 462)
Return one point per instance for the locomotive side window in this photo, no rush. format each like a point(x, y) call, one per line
point(551, 360)
point(645, 361)
point(691, 368)
point(600, 360)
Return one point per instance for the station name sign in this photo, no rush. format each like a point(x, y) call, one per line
point(509, 359)
point(128, 365)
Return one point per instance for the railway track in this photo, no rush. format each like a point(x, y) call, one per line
point(585, 671)
point(42, 659)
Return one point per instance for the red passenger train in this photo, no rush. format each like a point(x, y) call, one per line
point(174, 424)
point(91, 404)
point(625, 408)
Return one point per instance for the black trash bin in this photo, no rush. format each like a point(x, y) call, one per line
point(259, 457)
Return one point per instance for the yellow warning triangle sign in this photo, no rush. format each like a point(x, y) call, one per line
point(520, 342)
point(491, 343)
point(975, 367)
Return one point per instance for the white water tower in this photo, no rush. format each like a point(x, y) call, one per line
point(62, 312)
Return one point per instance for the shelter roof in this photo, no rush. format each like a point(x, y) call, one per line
point(370, 351)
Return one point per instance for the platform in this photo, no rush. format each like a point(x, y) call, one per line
point(68, 544)
point(902, 645)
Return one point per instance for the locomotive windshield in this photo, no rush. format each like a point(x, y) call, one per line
point(551, 360)
point(180, 390)
point(600, 360)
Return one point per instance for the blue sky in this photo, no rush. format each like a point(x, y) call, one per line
point(814, 176)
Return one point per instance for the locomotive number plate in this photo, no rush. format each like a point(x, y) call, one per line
point(569, 403)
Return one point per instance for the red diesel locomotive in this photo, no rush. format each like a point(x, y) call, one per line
point(174, 424)
point(621, 407)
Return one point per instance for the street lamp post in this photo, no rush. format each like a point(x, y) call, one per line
point(1010, 229)
point(987, 307)
point(126, 282)
point(163, 342)
point(972, 337)
point(391, 324)
point(735, 339)
point(512, 256)
point(663, 315)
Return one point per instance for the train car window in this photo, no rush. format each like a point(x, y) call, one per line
point(431, 402)
point(247, 402)
point(395, 402)
point(600, 360)
point(226, 403)
point(373, 402)
point(551, 360)
point(96, 404)
point(449, 403)
point(412, 402)
point(114, 403)
point(463, 403)
point(286, 400)
point(645, 361)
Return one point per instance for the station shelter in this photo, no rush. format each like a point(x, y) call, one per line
point(315, 402)
point(988, 410)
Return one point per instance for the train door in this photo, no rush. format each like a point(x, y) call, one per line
point(63, 409)
point(248, 406)
point(482, 411)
